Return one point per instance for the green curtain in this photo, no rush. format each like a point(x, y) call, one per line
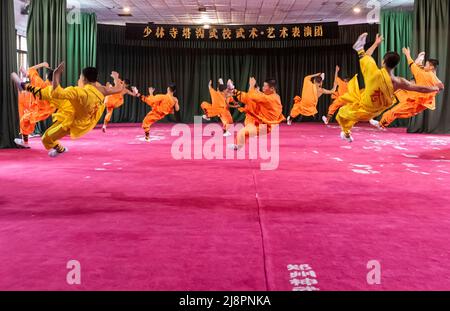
point(397, 29)
point(81, 46)
point(46, 36)
point(191, 67)
point(431, 34)
point(9, 118)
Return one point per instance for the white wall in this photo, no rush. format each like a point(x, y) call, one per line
point(21, 20)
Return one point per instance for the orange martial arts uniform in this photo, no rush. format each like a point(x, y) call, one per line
point(307, 104)
point(112, 102)
point(412, 103)
point(27, 113)
point(218, 108)
point(162, 105)
point(264, 110)
point(337, 102)
point(33, 109)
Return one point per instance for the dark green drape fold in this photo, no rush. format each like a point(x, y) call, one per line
point(191, 66)
point(431, 34)
point(397, 29)
point(46, 32)
point(9, 118)
point(46, 36)
point(81, 46)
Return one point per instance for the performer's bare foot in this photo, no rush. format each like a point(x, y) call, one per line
point(325, 120)
point(205, 117)
point(361, 42)
point(347, 137)
point(226, 134)
point(104, 128)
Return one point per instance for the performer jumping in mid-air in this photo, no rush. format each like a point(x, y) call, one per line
point(221, 102)
point(311, 92)
point(342, 88)
point(80, 109)
point(162, 105)
point(33, 109)
point(264, 108)
point(115, 101)
point(380, 87)
point(412, 103)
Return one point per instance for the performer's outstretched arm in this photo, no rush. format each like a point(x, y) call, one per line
point(378, 40)
point(41, 65)
point(335, 85)
point(401, 83)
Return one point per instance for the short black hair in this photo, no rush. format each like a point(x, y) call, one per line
point(127, 81)
point(50, 75)
point(90, 74)
point(391, 59)
point(271, 82)
point(173, 87)
point(433, 62)
point(222, 87)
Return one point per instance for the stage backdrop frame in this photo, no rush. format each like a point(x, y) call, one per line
point(191, 64)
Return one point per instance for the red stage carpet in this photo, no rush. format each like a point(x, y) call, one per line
point(138, 220)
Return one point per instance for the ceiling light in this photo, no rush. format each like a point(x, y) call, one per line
point(356, 10)
point(206, 26)
point(126, 9)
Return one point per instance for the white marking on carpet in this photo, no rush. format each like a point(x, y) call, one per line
point(410, 155)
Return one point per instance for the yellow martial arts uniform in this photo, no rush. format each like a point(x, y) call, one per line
point(363, 105)
point(88, 106)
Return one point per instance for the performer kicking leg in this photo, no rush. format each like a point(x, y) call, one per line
point(115, 101)
point(265, 109)
point(162, 105)
point(311, 92)
point(412, 103)
point(380, 87)
point(221, 102)
point(32, 109)
point(87, 102)
point(342, 88)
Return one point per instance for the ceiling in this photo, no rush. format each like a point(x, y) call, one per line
point(227, 11)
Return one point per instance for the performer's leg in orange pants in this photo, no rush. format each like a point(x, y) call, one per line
point(334, 107)
point(152, 117)
point(297, 108)
point(205, 107)
point(227, 119)
point(403, 110)
point(251, 130)
point(109, 113)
